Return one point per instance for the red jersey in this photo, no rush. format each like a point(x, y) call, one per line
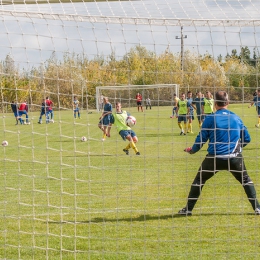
point(49, 104)
point(139, 97)
point(23, 106)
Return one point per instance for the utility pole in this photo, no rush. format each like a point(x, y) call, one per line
point(182, 37)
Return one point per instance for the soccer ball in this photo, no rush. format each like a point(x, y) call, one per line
point(51, 121)
point(131, 121)
point(4, 143)
point(83, 139)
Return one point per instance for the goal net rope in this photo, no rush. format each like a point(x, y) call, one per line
point(71, 191)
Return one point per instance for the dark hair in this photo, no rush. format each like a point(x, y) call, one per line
point(221, 98)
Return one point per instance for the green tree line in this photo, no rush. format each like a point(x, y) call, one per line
point(238, 73)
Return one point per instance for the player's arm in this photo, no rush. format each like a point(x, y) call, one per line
point(251, 104)
point(244, 136)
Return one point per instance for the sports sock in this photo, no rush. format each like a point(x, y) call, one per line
point(133, 146)
point(104, 136)
point(190, 127)
point(185, 128)
point(200, 124)
point(128, 147)
point(180, 126)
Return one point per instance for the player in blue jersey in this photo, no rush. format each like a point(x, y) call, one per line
point(14, 107)
point(119, 120)
point(104, 123)
point(76, 108)
point(191, 112)
point(226, 135)
point(43, 111)
point(196, 103)
point(256, 102)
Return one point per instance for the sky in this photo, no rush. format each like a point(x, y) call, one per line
point(99, 28)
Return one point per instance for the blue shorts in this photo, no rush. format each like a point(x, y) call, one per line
point(125, 133)
point(16, 114)
point(258, 110)
point(105, 120)
point(76, 110)
point(182, 118)
point(22, 112)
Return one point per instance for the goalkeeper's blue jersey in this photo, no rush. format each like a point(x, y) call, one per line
point(225, 132)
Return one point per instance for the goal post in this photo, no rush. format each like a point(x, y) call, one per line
point(159, 94)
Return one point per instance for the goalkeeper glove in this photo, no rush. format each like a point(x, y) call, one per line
point(188, 150)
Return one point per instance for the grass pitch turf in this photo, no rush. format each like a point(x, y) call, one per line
point(61, 198)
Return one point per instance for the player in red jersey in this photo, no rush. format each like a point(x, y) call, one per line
point(23, 110)
point(49, 110)
point(139, 99)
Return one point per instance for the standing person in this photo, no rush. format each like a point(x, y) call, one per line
point(100, 102)
point(148, 103)
point(256, 102)
point(139, 99)
point(23, 110)
point(175, 103)
point(14, 108)
point(191, 112)
point(49, 109)
point(207, 104)
point(196, 103)
point(226, 135)
point(119, 120)
point(182, 112)
point(76, 107)
point(43, 111)
point(104, 123)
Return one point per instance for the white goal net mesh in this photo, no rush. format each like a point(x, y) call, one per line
point(65, 194)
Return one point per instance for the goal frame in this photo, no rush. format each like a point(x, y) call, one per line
point(174, 90)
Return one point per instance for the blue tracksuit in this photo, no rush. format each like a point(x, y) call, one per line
point(226, 134)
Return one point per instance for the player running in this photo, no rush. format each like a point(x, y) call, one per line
point(119, 120)
point(76, 107)
point(256, 102)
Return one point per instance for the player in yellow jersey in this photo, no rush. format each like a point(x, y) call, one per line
point(182, 112)
point(119, 120)
point(208, 105)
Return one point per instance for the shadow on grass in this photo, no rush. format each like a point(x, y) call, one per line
point(143, 218)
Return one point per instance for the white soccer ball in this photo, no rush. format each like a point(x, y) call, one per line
point(4, 143)
point(52, 121)
point(131, 121)
point(83, 139)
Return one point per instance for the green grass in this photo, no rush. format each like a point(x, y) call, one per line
point(61, 198)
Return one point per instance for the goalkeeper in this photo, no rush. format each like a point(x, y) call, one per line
point(119, 120)
point(227, 135)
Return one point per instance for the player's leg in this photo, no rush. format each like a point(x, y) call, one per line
point(180, 119)
point(132, 138)
point(75, 114)
point(78, 113)
point(258, 114)
point(185, 118)
point(205, 172)
point(238, 170)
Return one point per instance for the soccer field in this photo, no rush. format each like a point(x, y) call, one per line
point(66, 199)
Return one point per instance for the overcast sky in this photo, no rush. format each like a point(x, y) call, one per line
point(31, 41)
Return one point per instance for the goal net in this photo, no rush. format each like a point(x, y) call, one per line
point(158, 95)
point(65, 194)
